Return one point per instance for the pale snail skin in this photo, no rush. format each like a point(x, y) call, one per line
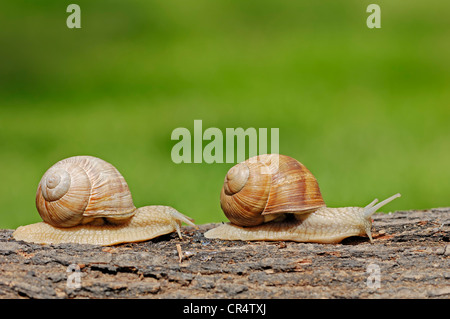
point(85, 200)
point(291, 209)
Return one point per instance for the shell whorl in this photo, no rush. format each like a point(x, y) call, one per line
point(236, 178)
point(55, 184)
point(78, 189)
point(263, 187)
point(245, 194)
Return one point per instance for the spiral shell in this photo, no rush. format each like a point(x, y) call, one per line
point(78, 189)
point(266, 186)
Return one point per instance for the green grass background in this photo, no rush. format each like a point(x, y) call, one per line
point(366, 110)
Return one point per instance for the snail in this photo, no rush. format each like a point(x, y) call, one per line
point(84, 199)
point(275, 197)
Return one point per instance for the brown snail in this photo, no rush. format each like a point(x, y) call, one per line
point(84, 199)
point(274, 197)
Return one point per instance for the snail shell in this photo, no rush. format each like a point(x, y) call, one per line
point(275, 197)
point(264, 187)
point(84, 199)
point(78, 189)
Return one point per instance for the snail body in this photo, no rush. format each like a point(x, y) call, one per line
point(283, 202)
point(84, 199)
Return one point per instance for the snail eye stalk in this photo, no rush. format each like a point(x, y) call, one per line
point(370, 209)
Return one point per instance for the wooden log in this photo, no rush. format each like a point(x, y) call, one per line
point(408, 259)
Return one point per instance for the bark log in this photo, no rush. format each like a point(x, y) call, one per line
point(408, 259)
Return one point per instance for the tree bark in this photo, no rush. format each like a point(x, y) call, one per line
point(408, 259)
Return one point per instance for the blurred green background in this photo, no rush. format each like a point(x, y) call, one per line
point(366, 110)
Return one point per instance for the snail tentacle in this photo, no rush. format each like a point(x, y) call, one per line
point(369, 210)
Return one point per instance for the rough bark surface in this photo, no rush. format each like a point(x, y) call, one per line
point(410, 256)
